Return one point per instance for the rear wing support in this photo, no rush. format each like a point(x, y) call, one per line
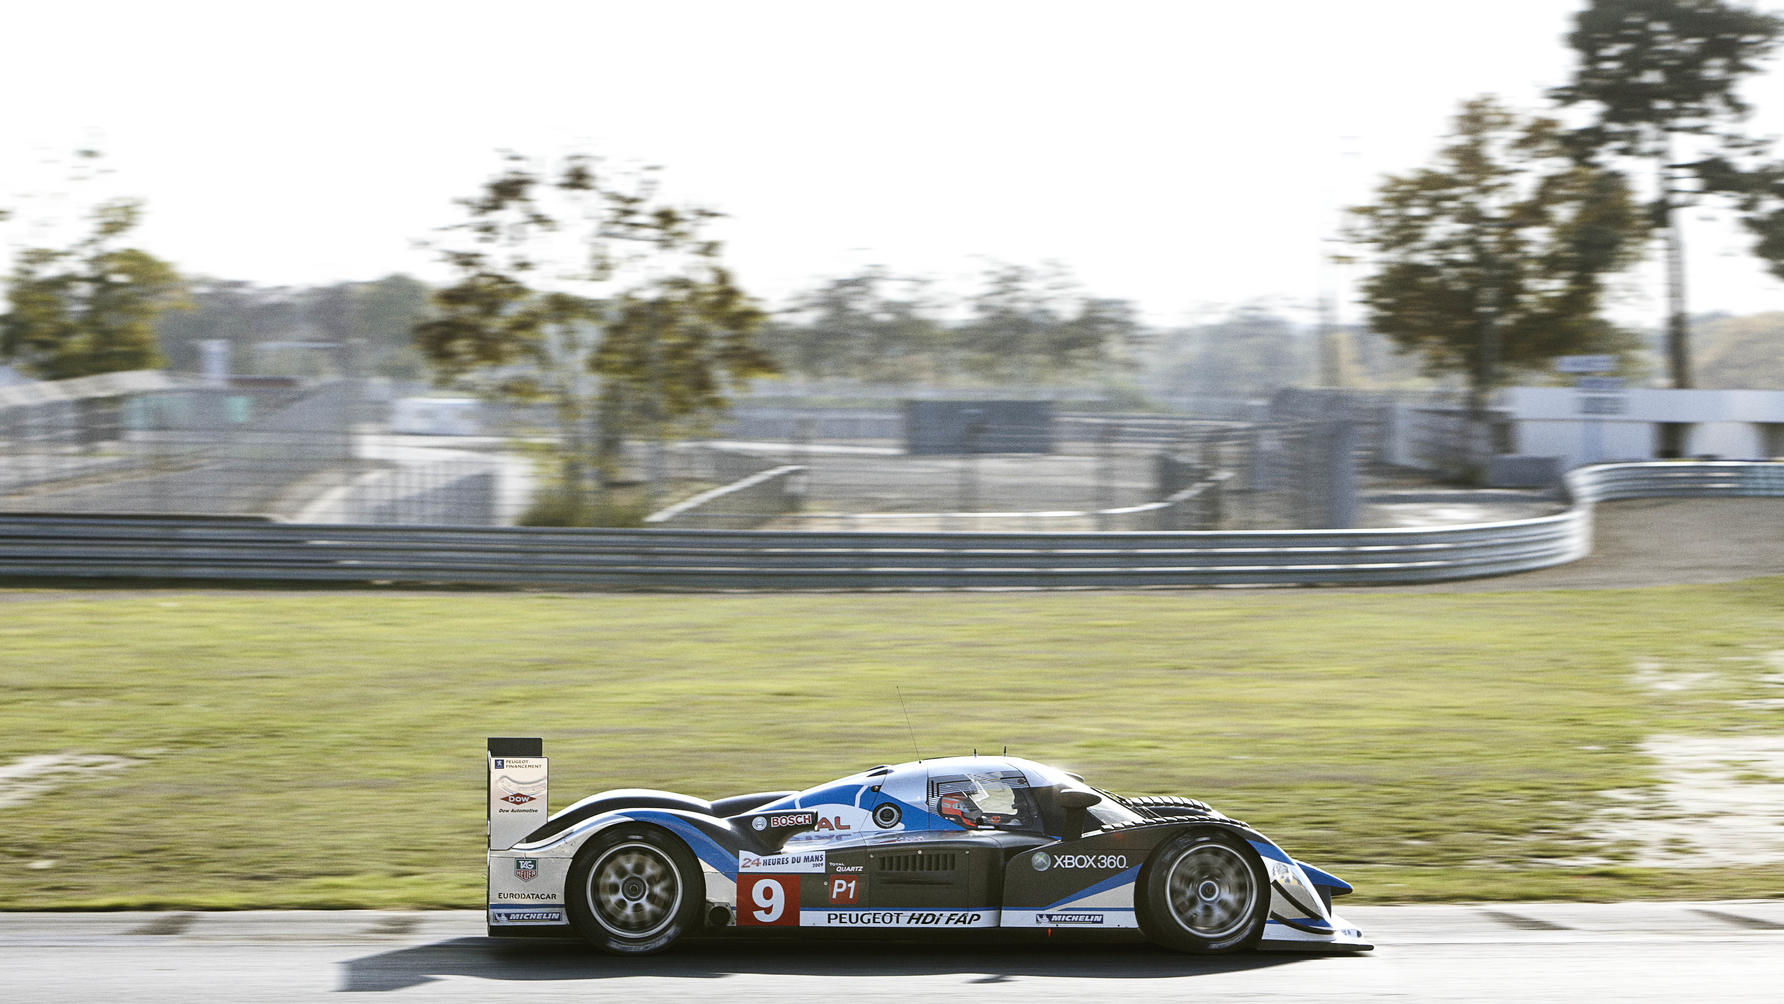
point(517, 804)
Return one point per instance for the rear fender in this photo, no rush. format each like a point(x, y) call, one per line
point(712, 841)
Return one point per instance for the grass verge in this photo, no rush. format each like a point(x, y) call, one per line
point(324, 749)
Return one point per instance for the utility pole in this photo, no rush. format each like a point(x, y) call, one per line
point(1678, 329)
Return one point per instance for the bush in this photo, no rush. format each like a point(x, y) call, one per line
point(559, 506)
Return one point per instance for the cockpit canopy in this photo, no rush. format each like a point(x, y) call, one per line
point(955, 793)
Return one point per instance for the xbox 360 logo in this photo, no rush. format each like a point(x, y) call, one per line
point(1041, 861)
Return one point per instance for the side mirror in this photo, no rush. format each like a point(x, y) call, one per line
point(1075, 803)
point(1077, 799)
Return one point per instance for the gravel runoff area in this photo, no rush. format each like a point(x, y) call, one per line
point(1659, 542)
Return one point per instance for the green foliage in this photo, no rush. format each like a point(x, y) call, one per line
point(579, 288)
point(560, 506)
point(1493, 259)
point(1758, 190)
point(1658, 70)
point(371, 323)
point(238, 312)
point(364, 327)
point(89, 308)
point(1025, 325)
point(1029, 323)
point(1660, 67)
point(868, 326)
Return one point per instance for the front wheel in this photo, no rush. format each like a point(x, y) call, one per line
point(1206, 892)
point(634, 890)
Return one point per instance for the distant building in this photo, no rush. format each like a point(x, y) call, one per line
point(436, 416)
point(1601, 425)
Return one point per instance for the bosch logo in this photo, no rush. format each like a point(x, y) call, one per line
point(1110, 861)
point(1041, 861)
point(791, 819)
point(759, 823)
point(887, 815)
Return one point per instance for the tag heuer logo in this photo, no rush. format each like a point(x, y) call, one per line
point(526, 869)
point(1040, 861)
point(518, 798)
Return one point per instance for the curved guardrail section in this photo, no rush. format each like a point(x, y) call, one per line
point(247, 550)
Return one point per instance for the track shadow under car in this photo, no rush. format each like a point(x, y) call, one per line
point(991, 961)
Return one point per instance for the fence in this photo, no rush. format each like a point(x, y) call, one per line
point(246, 550)
point(149, 443)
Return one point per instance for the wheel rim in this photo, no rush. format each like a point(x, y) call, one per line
point(1212, 891)
point(633, 890)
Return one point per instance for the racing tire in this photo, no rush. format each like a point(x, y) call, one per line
point(1205, 891)
point(634, 890)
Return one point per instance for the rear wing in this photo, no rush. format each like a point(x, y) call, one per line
point(516, 790)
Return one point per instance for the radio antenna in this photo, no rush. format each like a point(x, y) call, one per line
point(907, 722)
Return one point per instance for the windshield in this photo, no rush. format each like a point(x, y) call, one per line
point(974, 800)
point(993, 794)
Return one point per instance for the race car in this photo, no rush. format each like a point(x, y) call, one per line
point(960, 842)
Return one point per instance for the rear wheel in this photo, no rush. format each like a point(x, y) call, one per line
point(1206, 892)
point(634, 890)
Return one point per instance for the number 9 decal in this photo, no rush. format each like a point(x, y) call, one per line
point(768, 900)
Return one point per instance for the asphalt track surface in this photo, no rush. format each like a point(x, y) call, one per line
point(1725, 951)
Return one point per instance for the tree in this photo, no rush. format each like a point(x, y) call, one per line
point(370, 324)
point(868, 326)
point(581, 289)
point(1658, 70)
point(90, 307)
point(1029, 323)
point(384, 314)
point(348, 328)
point(1252, 352)
point(1758, 191)
point(1494, 258)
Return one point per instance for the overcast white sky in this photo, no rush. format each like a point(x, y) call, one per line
point(1184, 155)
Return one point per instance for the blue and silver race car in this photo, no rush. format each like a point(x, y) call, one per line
point(953, 843)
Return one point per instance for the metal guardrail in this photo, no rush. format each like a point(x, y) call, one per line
point(248, 550)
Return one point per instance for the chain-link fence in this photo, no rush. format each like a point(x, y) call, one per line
point(329, 453)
